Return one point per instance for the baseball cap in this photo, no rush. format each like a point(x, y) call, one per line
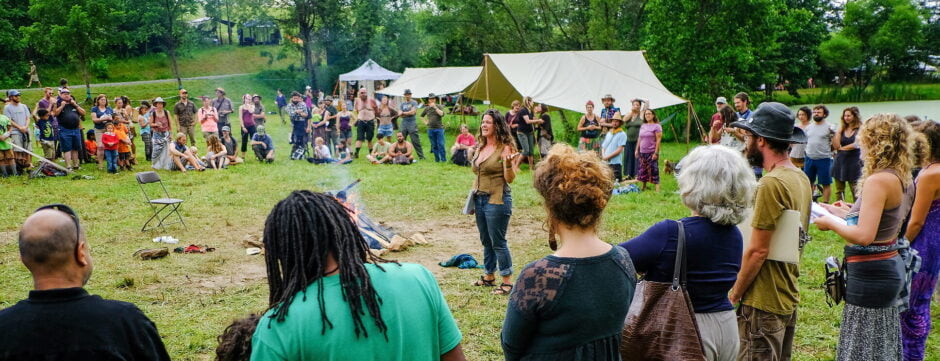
point(407, 91)
point(721, 100)
point(13, 92)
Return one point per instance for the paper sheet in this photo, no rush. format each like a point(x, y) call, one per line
point(817, 211)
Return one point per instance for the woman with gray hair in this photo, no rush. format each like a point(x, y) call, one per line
point(717, 185)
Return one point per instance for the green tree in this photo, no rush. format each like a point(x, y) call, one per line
point(74, 30)
point(12, 45)
point(841, 53)
point(891, 33)
point(800, 30)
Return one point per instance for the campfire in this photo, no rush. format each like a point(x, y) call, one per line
point(380, 239)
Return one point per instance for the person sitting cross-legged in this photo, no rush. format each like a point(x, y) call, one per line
point(321, 153)
point(379, 153)
point(402, 152)
point(263, 146)
point(184, 156)
point(60, 320)
point(331, 299)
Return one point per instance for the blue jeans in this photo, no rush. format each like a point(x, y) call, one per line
point(492, 222)
point(111, 157)
point(437, 144)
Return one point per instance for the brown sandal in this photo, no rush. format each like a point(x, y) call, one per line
point(502, 290)
point(483, 282)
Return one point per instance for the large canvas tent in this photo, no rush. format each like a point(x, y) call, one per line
point(568, 79)
point(440, 81)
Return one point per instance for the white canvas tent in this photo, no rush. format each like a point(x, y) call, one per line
point(568, 79)
point(439, 81)
point(367, 73)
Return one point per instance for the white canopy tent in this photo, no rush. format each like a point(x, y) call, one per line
point(568, 79)
point(369, 72)
point(438, 81)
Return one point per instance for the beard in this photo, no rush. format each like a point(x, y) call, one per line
point(819, 119)
point(753, 155)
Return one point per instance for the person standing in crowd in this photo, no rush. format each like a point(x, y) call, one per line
point(143, 118)
point(609, 112)
point(208, 119)
point(590, 129)
point(299, 119)
point(402, 152)
point(923, 230)
point(317, 124)
point(742, 105)
point(47, 134)
point(525, 131)
point(309, 97)
point(633, 122)
point(546, 136)
point(717, 125)
point(344, 119)
point(875, 270)
point(728, 136)
point(129, 119)
point(60, 320)
point(33, 75)
point(612, 147)
point(248, 126)
point(495, 165)
point(21, 136)
point(161, 129)
point(124, 144)
point(397, 312)
point(110, 142)
point(223, 106)
point(101, 113)
point(7, 160)
point(818, 159)
point(847, 167)
point(511, 120)
point(767, 289)
point(366, 109)
point(331, 118)
point(258, 110)
point(185, 112)
point(281, 102)
point(433, 115)
point(717, 185)
point(386, 114)
point(798, 151)
point(647, 149)
point(409, 125)
point(69, 116)
point(543, 322)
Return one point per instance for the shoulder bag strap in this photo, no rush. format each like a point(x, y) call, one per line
point(679, 271)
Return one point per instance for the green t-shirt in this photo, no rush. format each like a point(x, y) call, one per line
point(775, 288)
point(5, 127)
point(420, 325)
point(632, 128)
point(434, 119)
point(381, 149)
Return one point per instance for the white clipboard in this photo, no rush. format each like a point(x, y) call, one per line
point(785, 242)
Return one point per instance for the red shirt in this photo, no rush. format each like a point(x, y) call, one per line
point(466, 139)
point(110, 141)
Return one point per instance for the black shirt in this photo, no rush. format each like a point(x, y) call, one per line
point(70, 324)
point(333, 120)
point(547, 127)
point(69, 118)
point(520, 119)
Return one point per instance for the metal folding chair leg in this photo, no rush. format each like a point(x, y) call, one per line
point(160, 217)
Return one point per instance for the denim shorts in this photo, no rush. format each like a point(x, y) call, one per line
point(385, 130)
point(818, 170)
point(70, 139)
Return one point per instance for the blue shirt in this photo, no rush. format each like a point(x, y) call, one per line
point(281, 101)
point(745, 115)
point(100, 113)
point(264, 138)
point(407, 107)
point(612, 141)
point(713, 256)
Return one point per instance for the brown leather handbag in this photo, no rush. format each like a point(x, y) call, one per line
point(661, 323)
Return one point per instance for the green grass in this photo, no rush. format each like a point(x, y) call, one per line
point(193, 297)
point(885, 92)
point(206, 60)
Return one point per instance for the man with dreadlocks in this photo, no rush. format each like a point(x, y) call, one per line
point(318, 265)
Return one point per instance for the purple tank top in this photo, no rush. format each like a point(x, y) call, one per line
point(344, 123)
point(247, 119)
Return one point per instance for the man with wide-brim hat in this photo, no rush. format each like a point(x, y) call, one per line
point(609, 111)
point(223, 106)
point(767, 289)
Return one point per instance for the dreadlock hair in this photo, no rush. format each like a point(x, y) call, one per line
point(235, 341)
point(300, 233)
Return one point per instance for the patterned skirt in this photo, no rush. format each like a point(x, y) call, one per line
point(648, 169)
point(869, 334)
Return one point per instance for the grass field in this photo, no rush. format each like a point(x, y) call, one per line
point(192, 297)
point(202, 61)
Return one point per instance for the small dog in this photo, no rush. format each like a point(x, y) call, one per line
point(670, 167)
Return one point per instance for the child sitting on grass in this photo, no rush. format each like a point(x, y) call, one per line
point(110, 142)
point(91, 147)
point(342, 150)
point(321, 153)
point(263, 146)
point(124, 146)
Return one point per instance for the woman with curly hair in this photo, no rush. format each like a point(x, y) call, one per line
point(571, 304)
point(332, 299)
point(847, 167)
point(876, 268)
point(495, 165)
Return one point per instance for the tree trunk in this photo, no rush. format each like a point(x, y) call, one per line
point(305, 33)
point(83, 64)
point(176, 68)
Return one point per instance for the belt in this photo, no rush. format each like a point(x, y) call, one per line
point(871, 257)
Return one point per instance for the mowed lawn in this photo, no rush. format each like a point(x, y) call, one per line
point(192, 297)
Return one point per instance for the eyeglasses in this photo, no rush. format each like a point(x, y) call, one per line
point(67, 210)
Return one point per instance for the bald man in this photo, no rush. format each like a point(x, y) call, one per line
point(60, 320)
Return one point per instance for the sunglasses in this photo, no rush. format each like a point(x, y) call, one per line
point(67, 210)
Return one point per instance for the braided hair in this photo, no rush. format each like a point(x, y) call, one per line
point(300, 233)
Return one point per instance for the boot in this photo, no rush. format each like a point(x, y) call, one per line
point(356, 155)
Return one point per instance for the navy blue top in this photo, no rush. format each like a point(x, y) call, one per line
point(264, 139)
point(713, 259)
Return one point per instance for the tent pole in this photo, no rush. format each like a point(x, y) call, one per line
point(688, 126)
point(486, 78)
